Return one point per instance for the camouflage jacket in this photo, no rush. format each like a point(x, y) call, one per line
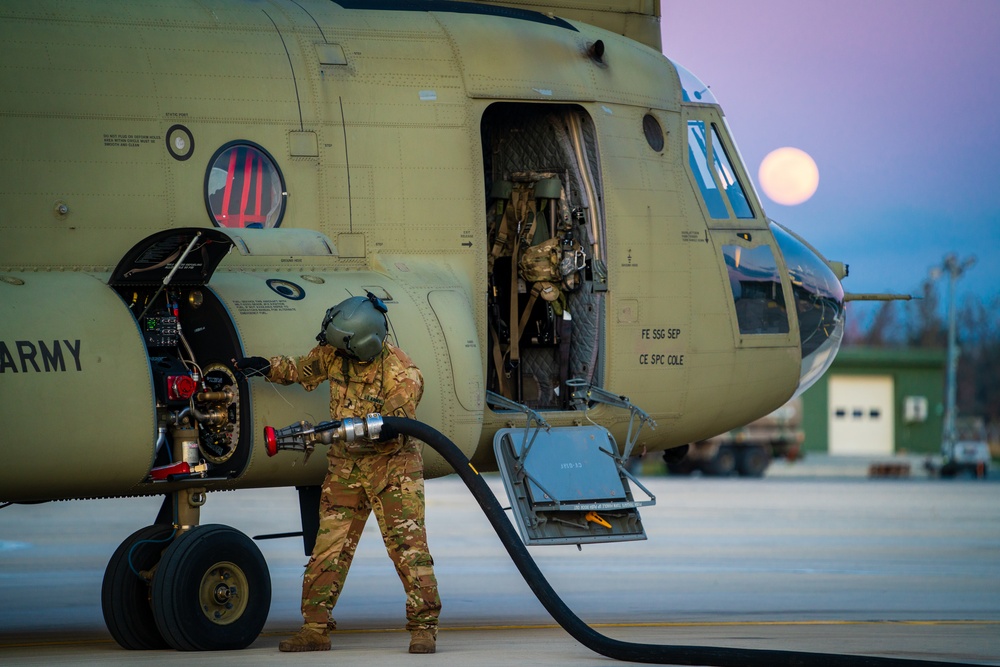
point(391, 384)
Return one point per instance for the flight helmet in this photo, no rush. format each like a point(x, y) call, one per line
point(357, 326)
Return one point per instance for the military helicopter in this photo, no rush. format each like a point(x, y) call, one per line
point(555, 214)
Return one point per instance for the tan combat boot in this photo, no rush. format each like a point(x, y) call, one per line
point(422, 641)
point(309, 638)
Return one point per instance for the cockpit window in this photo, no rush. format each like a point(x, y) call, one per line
point(699, 150)
point(727, 176)
point(692, 88)
point(698, 156)
point(244, 187)
point(756, 287)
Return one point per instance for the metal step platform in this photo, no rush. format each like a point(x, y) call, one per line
point(569, 484)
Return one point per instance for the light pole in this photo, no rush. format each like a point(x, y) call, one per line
point(954, 270)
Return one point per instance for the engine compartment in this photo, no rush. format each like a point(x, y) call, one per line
point(190, 341)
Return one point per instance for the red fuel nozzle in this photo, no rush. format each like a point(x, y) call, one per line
point(270, 440)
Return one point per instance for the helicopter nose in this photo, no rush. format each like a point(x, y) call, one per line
point(819, 305)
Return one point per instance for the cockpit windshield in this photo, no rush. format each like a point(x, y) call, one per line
point(819, 304)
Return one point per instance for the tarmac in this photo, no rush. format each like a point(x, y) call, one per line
point(913, 466)
point(818, 556)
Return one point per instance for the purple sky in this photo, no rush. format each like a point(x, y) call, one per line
point(898, 101)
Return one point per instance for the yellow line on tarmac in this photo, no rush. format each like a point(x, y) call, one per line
point(553, 626)
point(61, 642)
point(678, 624)
point(710, 624)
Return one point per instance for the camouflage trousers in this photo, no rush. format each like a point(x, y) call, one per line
point(393, 486)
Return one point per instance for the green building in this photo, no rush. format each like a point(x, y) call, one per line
point(877, 402)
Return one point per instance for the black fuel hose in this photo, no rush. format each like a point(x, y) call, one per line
point(645, 653)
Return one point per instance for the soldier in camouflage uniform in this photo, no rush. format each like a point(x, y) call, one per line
point(367, 375)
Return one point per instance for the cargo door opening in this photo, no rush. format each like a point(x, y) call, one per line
point(546, 266)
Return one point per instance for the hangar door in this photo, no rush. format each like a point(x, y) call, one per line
point(861, 415)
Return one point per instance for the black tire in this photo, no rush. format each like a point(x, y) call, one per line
point(752, 460)
point(125, 595)
point(212, 591)
point(723, 464)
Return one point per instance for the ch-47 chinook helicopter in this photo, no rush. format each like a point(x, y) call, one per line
point(555, 214)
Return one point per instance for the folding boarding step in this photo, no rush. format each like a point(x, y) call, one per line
point(569, 485)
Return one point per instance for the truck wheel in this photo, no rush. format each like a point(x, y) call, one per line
point(752, 461)
point(723, 464)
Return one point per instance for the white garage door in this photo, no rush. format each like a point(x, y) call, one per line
point(861, 415)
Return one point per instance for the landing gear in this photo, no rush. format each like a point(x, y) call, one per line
point(125, 591)
point(204, 589)
point(212, 590)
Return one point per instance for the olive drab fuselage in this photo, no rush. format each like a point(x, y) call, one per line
point(267, 160)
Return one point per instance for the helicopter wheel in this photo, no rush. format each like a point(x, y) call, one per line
point(212, 590)
point(125, 594)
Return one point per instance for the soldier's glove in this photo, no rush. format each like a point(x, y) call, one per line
point(252, 366)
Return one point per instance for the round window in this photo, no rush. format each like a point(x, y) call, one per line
point(654, 133)
point(244, 187)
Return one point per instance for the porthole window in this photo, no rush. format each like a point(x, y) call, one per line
point(244, 187)
point(654, 133)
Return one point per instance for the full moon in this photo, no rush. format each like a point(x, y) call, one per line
point(788, 175)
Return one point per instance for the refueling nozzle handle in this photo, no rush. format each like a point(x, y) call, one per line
point(303, 436)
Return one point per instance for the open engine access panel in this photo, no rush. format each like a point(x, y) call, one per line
point(190, 340)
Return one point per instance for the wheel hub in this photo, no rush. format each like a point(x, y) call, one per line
point(223, 593)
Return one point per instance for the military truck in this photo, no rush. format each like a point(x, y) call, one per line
point(746, 451)
point(970, 454)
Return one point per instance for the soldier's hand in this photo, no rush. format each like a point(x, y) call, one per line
point(251, 366)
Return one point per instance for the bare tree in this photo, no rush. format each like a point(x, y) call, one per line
point(979, 363)
point(882, 332)
point(927, 328)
